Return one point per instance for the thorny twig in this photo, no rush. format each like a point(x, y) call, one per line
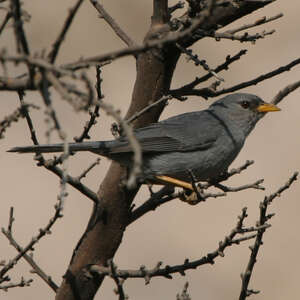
point(22, 283)
point(246, 276)
point(95, 114)
point(197, 61)
point(29, 258)
point(187, 265)
point(224, 66)
point(203, 92)
point(42, 232)
point(58, 207)
point(14, 117)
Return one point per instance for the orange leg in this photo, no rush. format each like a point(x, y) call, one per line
point(169, 180)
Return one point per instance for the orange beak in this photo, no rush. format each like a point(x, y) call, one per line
point(267, 107)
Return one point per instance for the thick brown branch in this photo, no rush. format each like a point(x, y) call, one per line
point(160, 12)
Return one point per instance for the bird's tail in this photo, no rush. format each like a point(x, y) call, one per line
point(98, 147)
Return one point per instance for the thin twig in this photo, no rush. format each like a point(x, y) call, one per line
point(29, 258)
point(113, 24)
point(95, 114)
point(34, 240)
point(44, 90)
point(14, 117)
point(65, 93)
point(148, 107)
point(22, 283)
point(197, 61)
point(119, 282)
point(50, 164)
point(284, 92)
point(137, 158)
point(22, 44)
point(224, 66)
point(73, 181)
point(56, 45)
point(187, 265)
point(184, 294)
point(245, 37)
point(246, 276)
point(258, 22)
point(5, 21)
point(255, 185)
point(255, 81)
point(63, 70)
point(85, 172)
point(171, 37)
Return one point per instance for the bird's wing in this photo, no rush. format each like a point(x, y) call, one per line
point(181, 133)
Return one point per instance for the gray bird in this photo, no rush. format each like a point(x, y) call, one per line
point(203, 143)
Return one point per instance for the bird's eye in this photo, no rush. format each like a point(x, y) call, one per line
point(245, 104)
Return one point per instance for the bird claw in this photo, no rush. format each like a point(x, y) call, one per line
point(192, 198)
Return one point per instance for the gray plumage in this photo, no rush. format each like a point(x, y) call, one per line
point(205, 142)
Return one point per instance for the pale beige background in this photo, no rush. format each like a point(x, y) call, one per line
point(175, 231)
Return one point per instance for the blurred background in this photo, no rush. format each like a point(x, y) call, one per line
point(175, 231)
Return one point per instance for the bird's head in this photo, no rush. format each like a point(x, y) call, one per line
point(242, 109)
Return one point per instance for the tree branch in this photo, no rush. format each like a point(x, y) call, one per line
point(185, 91)
point(258, 22)
point(245, 292)
point(30, 260)
point(56, 45)
point(160, 12)
point(181, 268)
point(112, 23)
point(18, 27)
point(224, 66)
